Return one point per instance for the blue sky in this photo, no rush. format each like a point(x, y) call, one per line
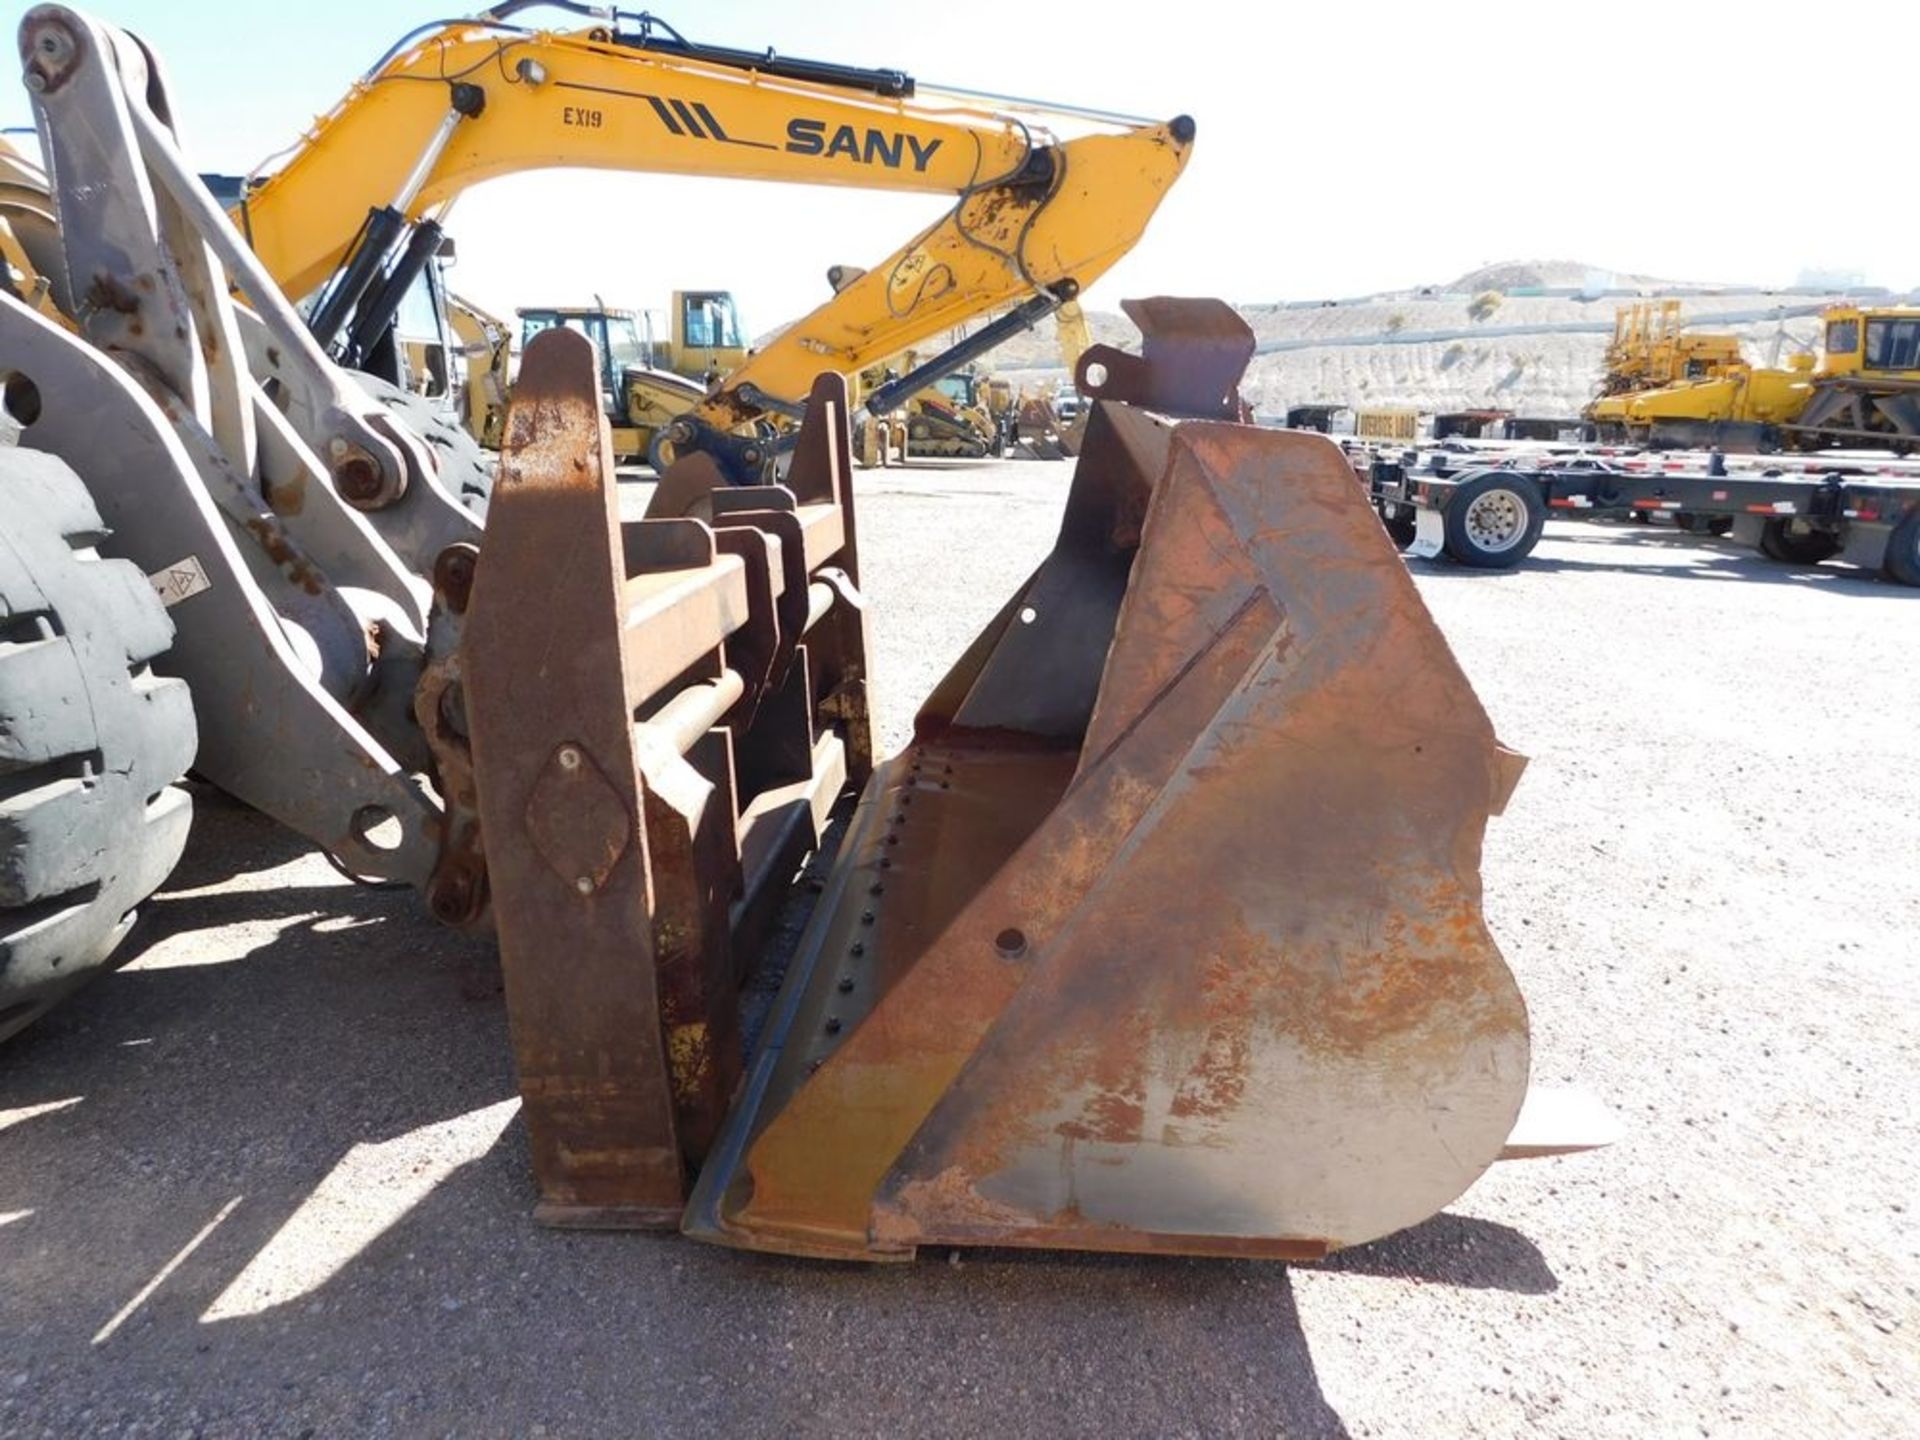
point(1342, 148)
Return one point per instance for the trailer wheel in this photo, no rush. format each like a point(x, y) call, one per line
point(1779, 541)
point(1902, 563)
point(466, 469)
point(1494, 521)
point(91, 740)
point(1704, 524)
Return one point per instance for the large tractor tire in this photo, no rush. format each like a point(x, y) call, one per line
point(91, 740)
point(466, 468)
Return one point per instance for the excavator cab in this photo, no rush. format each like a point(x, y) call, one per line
point(958, 387)
point(1865, 390)
point(707, 338)
point(1881, 341)
point(1893, 343)
point(615, 335)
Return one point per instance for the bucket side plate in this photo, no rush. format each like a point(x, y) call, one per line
point(1231, 993)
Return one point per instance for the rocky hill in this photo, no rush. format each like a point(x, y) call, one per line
point(1527, 336)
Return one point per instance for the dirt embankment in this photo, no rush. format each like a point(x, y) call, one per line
point(1524, 336)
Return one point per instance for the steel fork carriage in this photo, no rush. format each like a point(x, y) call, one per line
point(663, 713)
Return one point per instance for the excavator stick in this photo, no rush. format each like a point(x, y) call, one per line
point(1163, 934)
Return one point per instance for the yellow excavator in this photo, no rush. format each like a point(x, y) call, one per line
point(1863, 392)
point(353, 215)
point(1162, 934)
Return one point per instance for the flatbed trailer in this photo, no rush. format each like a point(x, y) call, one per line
point(1487, 511)
point(1456, 453)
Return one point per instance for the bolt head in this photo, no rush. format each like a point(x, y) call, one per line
point(584, 884)
point(569, 758)
point(453, 571)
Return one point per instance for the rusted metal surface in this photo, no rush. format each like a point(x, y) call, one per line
point(653, 750)
point(545, 673)
point(1192, 355)
point(456, 892)
point(1165, 933)
point(1037, 434)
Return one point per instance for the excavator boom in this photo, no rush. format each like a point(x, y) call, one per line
point(463, 102)
point(509, 100)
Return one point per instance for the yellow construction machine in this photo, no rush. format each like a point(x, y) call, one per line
point(949, 418)
point(352, 217)
point(953, 416)
point(646, 381)
point(1651, 348)
point(486, 352)
point(1862, 392)
point(1163, 933)
point(970, 413)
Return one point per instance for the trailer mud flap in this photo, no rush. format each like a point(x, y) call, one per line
point(1164, 934)
point(1429, 534)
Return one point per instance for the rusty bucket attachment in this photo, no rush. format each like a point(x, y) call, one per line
point(1037, 430)
point(1164, 933)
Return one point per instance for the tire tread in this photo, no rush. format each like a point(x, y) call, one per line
point(91, 740)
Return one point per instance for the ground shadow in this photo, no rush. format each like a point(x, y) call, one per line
point(230, 839)
point(196, 1114)
point(1707, 558)
point(1454, 1250)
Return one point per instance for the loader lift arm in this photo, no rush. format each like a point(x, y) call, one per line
point(456, 103)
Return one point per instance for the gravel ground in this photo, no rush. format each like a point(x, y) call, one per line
point(267, 1180)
